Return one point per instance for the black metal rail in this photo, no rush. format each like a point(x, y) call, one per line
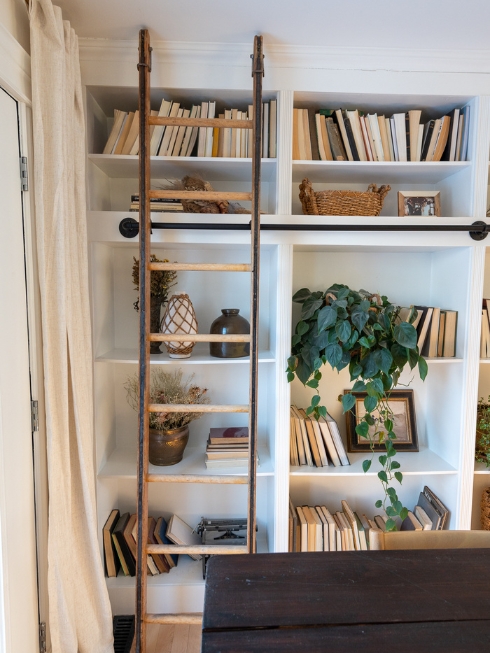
point(479, 230)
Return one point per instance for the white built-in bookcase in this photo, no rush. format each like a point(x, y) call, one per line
point(446, 269)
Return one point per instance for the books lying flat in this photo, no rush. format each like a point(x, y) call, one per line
point(231, 435)
point(179, 532)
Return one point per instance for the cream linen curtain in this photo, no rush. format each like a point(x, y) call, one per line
point(79, 612)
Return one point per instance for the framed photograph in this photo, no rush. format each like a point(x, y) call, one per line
point(402, 404)
point(424, 203)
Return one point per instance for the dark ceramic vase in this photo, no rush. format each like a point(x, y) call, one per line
point(167, 447)
point(230, 323)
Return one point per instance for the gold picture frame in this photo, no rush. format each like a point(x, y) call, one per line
point(419, 203)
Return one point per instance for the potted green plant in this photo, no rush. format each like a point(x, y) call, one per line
point(364, 332)
point(169, 432)
point(160, 284)
point(482, 448)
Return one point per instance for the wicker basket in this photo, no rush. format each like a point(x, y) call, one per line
point(485, 509)
point(342, 202)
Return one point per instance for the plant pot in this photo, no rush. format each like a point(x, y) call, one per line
point(155, 308)
point(230, 323)
point(167, 447)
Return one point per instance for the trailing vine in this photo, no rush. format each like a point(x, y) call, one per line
point(364, 332)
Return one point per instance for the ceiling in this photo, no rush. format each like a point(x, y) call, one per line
point(421, 24)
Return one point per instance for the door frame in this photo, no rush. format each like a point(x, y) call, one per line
point(15, 79)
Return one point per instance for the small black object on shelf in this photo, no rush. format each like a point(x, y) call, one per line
point(123, 630)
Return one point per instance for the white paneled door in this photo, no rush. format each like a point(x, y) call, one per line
point(18, 588)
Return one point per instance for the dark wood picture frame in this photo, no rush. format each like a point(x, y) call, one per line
point(408, 426)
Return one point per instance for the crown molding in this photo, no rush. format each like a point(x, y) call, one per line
point(294, 56)
point(15, 67)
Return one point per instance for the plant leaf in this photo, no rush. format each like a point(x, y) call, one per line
point(384, 359)
point(301, 295)
point(362, 428)
point(326, 318)
point(309, 308)
point(366, 464)
point(423, 368)
point(359, 386)
point(334, 354)
point(399, 477)
point(370, 403)
point(405, 335)
point(343, 330)
point(302, 328)
point(382, 476)
point(348, 402)
point(390, 525)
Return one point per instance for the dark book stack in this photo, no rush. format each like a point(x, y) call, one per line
point(436, 331)
point(351, 135)
point(120, 539)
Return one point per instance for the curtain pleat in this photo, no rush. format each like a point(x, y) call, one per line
point(79, 611)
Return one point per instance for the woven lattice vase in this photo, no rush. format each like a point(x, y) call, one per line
point(179, 318)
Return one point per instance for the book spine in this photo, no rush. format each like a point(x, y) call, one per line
point(350, 136)
point(407, 135)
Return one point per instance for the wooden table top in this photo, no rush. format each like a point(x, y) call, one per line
point(430, 600)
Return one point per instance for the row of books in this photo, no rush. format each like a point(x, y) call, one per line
point(485, 330)
point(344, 135)
point(436, 331)
point(315, 528)
point(315, 443)
point(119, 537)
point(194, 141)
point(227, 447)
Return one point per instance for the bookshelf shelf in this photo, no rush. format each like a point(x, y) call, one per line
point(122, 464)
point(424, 462)
point(118, 166)
point(199, 357)
point(388, 172)
point(481, 468)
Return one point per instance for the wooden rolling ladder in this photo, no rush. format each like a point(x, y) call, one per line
point(145, 337)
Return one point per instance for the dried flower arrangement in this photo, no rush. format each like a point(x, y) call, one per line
point(168, 388)
point(161, 280)
point(482, 449)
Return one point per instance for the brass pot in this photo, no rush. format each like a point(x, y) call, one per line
point(167, 447)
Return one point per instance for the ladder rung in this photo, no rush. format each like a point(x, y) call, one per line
point(198, 408)
point(211, 196)
point(198, 337)
point(197, 478)
point(200, 122)
point(196, 549)
point(202, 267)
point(192, 618)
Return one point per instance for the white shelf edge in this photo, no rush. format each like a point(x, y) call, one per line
point(481, 469)
point(430, 463)
point(117, 356)
point(192, 463)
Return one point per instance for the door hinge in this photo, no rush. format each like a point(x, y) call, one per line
point(42, 637)
point(24, 181)
point(34, 415)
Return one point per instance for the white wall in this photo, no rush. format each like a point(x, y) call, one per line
point(14, 17)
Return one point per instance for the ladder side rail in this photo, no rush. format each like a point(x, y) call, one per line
point(257, 74)
point(144, 68)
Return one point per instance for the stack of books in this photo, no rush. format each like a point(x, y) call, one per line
point(157, 205)
point(350, 135)
point(315, 528)
point(315, 443)
point(430, 514)
point(227, 447)
point(194, 141)
point(120, 536)
point(436, 331)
